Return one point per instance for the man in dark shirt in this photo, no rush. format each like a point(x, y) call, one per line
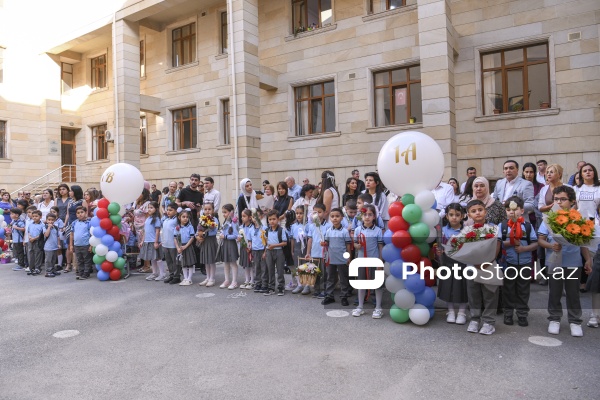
point(155, 194)
point(360, 185)
point(192, 197)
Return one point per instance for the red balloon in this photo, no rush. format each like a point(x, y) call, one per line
point(426, 261)
point(115, 274)
point(1, 242)
point(401, 239)
point(117, 237)
point(5, 247)
point(102, 213)
point(395, 209)
point(114, 231)
point(411, 253)
point(429, 281)
point(398, 223)
point(107, 266)
point(103, 203)
point(106, 224)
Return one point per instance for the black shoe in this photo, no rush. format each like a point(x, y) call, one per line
point(50, 275)
point(31, 272)
point(328, 300)
point(522, 321)
point(83, 277)
point(345, 302)
point(175, 281)
point(58, 267)
point(257, 289)
point(37, 272)
point(500, 310)
point(168, 280)
point(56, 273)
point(508, 320)
point(268, 292)
point(286, 270)
point(280, 292)
point(203, 270)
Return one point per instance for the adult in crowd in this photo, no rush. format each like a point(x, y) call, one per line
point(305, 181)
point(351, 192)
point(540, 177)
point(571, 181)
point(467, 194)
point(360, 185)
point(471, 172)
point(444, 195)
point(266, 183)
point(6, 205)
point(268, 199)
point(283, 202)
point(212, 195)
point(155, 194)
point(62, 201)
point(588, 191)
point(169, 197)
point(75, 200)
point(306, 200)
point(554, 174)
point(495, 212)
point(454, 183)
point(247, 199)
point(293, 189)
point(45, 205)
point(140, 214)
point(180, 186)
point(329, 195)
point(27, 197)
point(375, 188)
point(192, 197)
point(513, 185)
point(530, 174)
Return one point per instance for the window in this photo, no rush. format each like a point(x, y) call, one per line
point(67, 77)
point(184, 128)
point(224, 33)
point(377, 6)
point(142, 58)
point(2, 139)
point(516, 79)
point(99, 148)
point(310, 14)
point(184, 45)
point(225, 131)
point(99, 72)
point(398, 96)
point(143, 135)
point(315, 108)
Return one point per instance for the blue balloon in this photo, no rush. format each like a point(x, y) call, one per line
point(390, 253)
point(108, 240)
point(2, 234)
point(387, 236)
point(95, 211)
point(95, 221)
point(98, 232)
point(116, 246)
point(98, 267)
point(396, 268)
point(434, 206)
point(120, 253)
point(103, 276)
point(414, 284)
point(426, 297)
point(431, 312)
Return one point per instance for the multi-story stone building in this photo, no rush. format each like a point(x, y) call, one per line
point(318, 84)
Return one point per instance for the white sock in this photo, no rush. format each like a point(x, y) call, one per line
point(60, 259)
point(462, 308)
point(162, 266)
point(252, 274)
point(190, 273)
point(248, 274)
point(154, 266)
point(378, 298)
point(451, 307)
point(234, 272)
point(211, 270)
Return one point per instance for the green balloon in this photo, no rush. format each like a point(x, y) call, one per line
point(419, 232)
point(412, 214)
point(408, 199)
point(399, 315)
point(1, 211)
point(116, 219)
point(119, 225)
point(98, 259)
point(120, 263)
point(114, 208)
point(424, 247)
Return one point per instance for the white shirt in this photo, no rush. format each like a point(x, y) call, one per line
point(588, 200)
point(45, 209)
point(444, 195)
point(509, 189)
point(541, 178)
point(463, 186)
point(213, 196)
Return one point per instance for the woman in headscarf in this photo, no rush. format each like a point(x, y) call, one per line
point(495, 212)
point(247, 197)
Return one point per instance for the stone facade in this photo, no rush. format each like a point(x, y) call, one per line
point(444, 37)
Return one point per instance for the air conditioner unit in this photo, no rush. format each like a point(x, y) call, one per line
point(108, 137)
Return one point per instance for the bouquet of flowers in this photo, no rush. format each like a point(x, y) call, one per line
point(317, 221)
point(569, 227)
point(474, 245)
point(4, 256)
point(242, 236)
point(308, 273)
point(205, 223)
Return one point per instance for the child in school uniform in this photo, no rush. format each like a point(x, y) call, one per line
point(169, 223)
point(36, 242)
point(184, 242)
point(79, 243)
point(298, 234)
point(258, 242)
point(26, 244)
point(362, 200)
point(314, 247)
point(229, 248)
point(207, 241)
point(17, 227)
point(245, 251)
point(51, 245)
point(62, 244)
point(150, 248)
point(275, 260)
point(338, 242)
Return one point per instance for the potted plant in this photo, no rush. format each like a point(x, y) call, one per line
point(496, 111)
point(412, 119)
point(517, 107)
point(544, 104)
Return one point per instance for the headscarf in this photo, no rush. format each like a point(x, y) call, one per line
point(253, 203)
point(488, 200)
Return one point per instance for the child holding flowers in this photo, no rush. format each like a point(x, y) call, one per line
point(572, 231)
point(206, 236)
point(184, 240)
point(229, 248)
point(316, 239)
point(298, 234)
point(245, 251)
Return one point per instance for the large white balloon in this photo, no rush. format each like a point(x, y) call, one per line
point(95, 241)
point(410, 162)
point(111, 256)
point(122, 183)
point(404, 299)
point(101, 249)
point(393, 284)
point(419, 314)
point(430, 218)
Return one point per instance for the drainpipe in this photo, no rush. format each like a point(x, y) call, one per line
point(236, 171)
point(115, 79)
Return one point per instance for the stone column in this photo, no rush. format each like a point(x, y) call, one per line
point(245, 53)
point(437, 40)
point(128, 89)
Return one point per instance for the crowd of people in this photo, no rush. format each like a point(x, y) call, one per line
point(181, 229)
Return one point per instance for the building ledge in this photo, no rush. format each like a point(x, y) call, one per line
point(144, 156)
point(221, 56)
point(314, 136)
point(6, 160)
point(301, 35)
point(96, 162)
point(518, 114)
point(394, 128)
point(182, 67)
point(224, 147)
point(185, 151)
point(99, 90)
point(389, 13)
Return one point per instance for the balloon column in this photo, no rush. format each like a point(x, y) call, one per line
point(105, 241)
point(411, 164)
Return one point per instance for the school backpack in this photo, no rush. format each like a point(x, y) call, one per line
point(527, 231)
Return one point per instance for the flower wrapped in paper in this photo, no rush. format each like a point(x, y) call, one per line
point(475, 245)
point(308, 273)
point(242, 235)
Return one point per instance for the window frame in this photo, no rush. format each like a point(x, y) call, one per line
point(62, 76)
point(391, 85)
point(99, 142)
point(95, 72)
point(3, 139)
point(143, 134)
point(371, 11)
point(224, 33)
point(143, 58)
point(192, 45)
point(194, 124)
point(225, 122)
point(296, 30)
point(310, 99)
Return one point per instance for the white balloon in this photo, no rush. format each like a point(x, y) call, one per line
point(95, 241)
point(404, 299)
point(112, 256)
point(419, 314)
point(101, 249)
point(3, 225)
point(393, 284)
point(386, 268)
point(92, 231)
point(410, 162)
point(432, 235)
point(122, 183)
point(430, 218)
point(425, 199)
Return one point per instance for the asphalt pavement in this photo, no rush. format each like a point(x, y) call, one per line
point(149, 340)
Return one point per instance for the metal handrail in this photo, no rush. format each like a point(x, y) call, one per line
point(42, 177)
